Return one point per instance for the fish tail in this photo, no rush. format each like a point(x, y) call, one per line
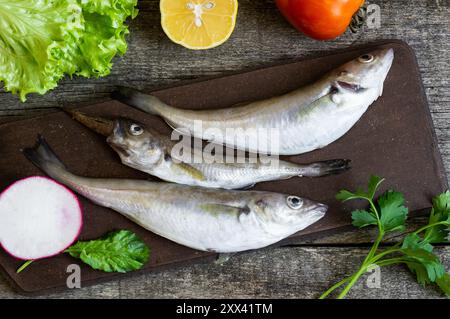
point(144, 102)
point(44, 158)
point(325, 168)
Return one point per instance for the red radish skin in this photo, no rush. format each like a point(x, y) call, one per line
point(78, 220)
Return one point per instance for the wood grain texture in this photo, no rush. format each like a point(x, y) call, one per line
point(261, 37)
point(300, 272)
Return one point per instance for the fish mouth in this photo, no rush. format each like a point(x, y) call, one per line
point(319, 211)
point(348, 86)
point(99, 125)
point(119, 148)
point(116, 138)
point(321, 208)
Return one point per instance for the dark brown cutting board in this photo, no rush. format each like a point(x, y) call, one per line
point(395, 139)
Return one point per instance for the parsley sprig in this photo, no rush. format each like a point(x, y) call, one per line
point(389, 214)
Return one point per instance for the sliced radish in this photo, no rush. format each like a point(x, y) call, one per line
point(38, 218)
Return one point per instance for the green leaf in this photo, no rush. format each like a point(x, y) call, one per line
point(439, 213)
point(421, 260)
point(374, 184)
point(444, 283)
point(345, 195)
point(363, 218)
point(417, 251)
point(372, 187)
point(103, 36)
point(120, 251)
point(419, 270)
point(29, 31)
point(42, 40)
point(424, 264)
point(414, 241)
point(393, 212)
point(442, 202)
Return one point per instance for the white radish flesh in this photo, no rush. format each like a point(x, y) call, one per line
point(39, 218)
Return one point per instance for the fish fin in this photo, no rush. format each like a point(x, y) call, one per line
point(189, 170)
point(325, 168)
point(144, 102)
point(303, 111)
point(216, 209)
point(99, 125)
point(223, 258)
point(42, 155)
point(182, 131)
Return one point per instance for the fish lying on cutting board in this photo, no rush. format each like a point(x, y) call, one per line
point(223, 221)
point(145, 149)
point(306, 119)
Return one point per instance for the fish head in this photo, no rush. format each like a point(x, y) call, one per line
point(136, 144)
point(366, 73)
point(289, 211)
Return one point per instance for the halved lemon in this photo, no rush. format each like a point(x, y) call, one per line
point(198, 24)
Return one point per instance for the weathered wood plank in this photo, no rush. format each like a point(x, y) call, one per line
point(301, 272)
point(262, 36)
point(315, 263)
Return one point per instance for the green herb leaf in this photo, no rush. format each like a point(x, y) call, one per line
point(363, 218)
point(444, 283)
point(120, 251)
point(424, 264)
point(416, 251)
point(393, 212)
point(345, 195)
point(439, 213)
point(414, 241)
point(374, 184)
point(419, 270)
point(372, 187)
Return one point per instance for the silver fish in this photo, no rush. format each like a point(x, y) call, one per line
point(223, 221)
point(147, 150)
point(306, 119)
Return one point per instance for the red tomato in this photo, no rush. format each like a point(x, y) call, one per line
point(320, 19)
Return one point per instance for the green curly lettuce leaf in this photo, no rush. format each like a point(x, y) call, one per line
point(33, 37)
point(43, 40)
point(104, 35)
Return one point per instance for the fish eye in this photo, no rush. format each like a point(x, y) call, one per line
point(366, 58)
point(294, 202)
point(136, 129)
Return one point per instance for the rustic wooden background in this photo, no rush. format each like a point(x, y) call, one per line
point(261, 37)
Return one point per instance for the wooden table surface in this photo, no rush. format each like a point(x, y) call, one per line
point(262, 36)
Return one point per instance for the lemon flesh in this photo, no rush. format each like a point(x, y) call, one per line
point(198, 24)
